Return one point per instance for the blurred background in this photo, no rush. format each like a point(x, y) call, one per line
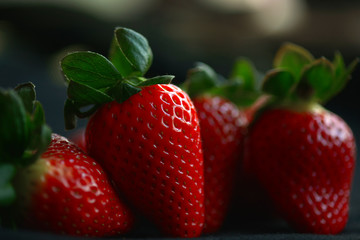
point(36, 34)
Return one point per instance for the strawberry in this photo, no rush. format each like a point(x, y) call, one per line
point(63, 190)
point(222, 126)
point(67, 192)
point(302, 154)
point(145, 132)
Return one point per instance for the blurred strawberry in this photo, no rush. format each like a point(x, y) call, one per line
point(302, 154)
point(56, 188)
point(223, 126)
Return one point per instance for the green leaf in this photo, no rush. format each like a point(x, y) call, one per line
point(200, 79)
point(23, 135)
point(26, 91)
point(339, 65)
point(130, 52)
point(90, 69)
point(234, 92)
point(165, 79)
point(319, 77)
point(292, 58)
point(123, 91)
point(40, 136)
point(84, 95)
point(341, 75)
point(279, 82)
point(244, 70)
point(14, 132)
point(7, 192)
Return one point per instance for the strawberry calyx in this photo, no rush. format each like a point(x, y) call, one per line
point(242, 87)
point(93, 79)
point(297, 76)
point(24, 135)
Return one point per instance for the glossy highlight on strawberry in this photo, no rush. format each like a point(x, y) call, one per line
point(144, 131)
point(67, 192)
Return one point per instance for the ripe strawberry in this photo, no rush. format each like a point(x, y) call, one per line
point(61, 190)
point(302, 154)
point(144, 132)
point(67, 192)
point(222, 126)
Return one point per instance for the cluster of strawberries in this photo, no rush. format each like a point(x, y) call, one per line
point(174, 155)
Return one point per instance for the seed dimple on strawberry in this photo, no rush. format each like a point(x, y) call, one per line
point(161, 166)
point(72, 194)
point(302, 154)
point(144, 132)
point(58, 187)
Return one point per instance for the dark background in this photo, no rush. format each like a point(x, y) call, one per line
point(34, 35)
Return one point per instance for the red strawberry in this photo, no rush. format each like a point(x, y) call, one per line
point(223, 127)
point(67, 192)
point(150, 144)
point(302, 154)
point(148, 139)
point(58, 187)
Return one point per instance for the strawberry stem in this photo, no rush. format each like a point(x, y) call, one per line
point(298, 76)
point(242, 87)
point(94, 80)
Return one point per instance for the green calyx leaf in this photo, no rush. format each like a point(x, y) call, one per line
point(316, 79)
point(26, 92)
point(14, 130)
point(279, 83)
point(242, 86)
point(200, 79)
point(130, 52)
point(131, 86)
point(7, 192)
point(94, 80)
point(298, 76)
point(341, 74)
point(124, 90)
point(24, 135)
point(293, 58)
point(234, 92)
point(90, 69)
point(165, 79)
point(244, 73)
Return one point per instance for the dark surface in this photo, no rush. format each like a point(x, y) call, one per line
point(32, 38)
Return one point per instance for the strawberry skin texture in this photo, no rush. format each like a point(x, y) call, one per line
point(222, 127)
point(71, 195)
point(151, 146)
point(305, 161)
